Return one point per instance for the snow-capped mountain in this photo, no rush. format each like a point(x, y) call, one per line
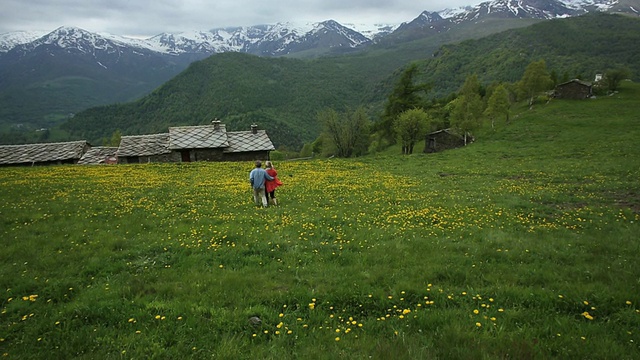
point(74, 39)
point(538, 9)
point(264, 40)
point(520, 9)
point(432, 23)
point(427, 22)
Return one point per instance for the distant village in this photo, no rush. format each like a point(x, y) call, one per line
point(181, 144)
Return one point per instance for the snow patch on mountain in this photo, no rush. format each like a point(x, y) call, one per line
point(373, 31)
point(601, 5)
point(451, 13)
point(12, 39)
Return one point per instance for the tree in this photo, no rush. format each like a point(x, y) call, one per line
point(405, 96)
point(467, 108)
point(410, 127)
point(498, 104)
point(307, 150)
point(613, 77)
point(348, 133)
point(115, 138)
point(535, 80)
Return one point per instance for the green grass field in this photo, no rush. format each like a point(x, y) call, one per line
point(522, 245)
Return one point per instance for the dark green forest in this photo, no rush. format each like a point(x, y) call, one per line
point(284, 95)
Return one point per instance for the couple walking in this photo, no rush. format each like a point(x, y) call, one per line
point(264, 183)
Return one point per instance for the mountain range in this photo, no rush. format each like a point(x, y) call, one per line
point(290, 38)
point(46, 78)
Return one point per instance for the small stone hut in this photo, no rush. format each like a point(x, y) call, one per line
point(573, 89)
point(442, 140)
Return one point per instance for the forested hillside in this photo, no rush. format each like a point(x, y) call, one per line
point(572, 48)
point(284, 95)
point(279, 94)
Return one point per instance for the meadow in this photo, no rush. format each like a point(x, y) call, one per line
point(521, 245)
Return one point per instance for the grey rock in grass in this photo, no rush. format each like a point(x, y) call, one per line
point(255, 321)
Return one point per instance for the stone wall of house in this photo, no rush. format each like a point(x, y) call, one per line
point(247, 156)
point(172, 157)
point(206, 154)
point(573, 90)
point(442, 141)
point(196, 155)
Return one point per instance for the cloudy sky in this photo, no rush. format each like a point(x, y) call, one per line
point(145, 18)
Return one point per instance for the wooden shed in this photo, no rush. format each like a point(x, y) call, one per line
point(573, 89)
point(43, 154)
point(442, 140)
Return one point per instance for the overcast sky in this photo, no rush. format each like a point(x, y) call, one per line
point(145, 18)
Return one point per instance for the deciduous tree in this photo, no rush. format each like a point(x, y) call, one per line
point(466, 112)
point(410, 127)
point(536, 79)
point(348, 133)
point(613, 77)
point(498, 104)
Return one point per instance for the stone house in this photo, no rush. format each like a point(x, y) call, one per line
point(99, 155)
point(135, 149)
point(573, 89)
point(442, 140)
point(43, 154)
point(196, 143)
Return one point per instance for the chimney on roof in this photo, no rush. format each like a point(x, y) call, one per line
point(216, 124)
point(254, 129)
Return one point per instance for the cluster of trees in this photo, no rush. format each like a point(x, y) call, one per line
point(409, 115)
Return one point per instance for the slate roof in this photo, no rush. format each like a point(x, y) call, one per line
point(98, 155)
point(144, 145)
point(446, 131)
point(241, 141)
point(198, 137)
point(195, 137)
point(39, 153)
point(577, 81)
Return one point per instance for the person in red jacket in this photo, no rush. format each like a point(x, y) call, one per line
point(271, 185)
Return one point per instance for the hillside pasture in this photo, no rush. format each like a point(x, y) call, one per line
point(521, 245)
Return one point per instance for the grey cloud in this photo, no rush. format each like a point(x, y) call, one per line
point(148, 18)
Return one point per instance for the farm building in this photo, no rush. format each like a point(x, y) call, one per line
point(573, 89)
point(196, 143)
point(442, 140)
point(99, 155)
point(145, 148)
point(43, 154)
point(248, 145)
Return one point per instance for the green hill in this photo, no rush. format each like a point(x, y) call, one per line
point(284, 95)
